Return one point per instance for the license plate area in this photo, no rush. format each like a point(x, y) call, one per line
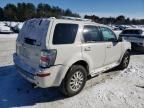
point(24, 52)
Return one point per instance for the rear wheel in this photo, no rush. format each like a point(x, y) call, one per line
point(125, 61)
point(74, 81)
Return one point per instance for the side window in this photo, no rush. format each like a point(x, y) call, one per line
point(65, 33)
point(108, 35)
point(91, 34)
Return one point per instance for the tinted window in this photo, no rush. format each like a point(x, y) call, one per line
point(108, 34)
point(91, 34)
point(132, 32)
point(65, 33)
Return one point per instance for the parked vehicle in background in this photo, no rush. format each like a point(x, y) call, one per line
point(17, 27)
point(5, 29)
point(135, 36)
point(64, 52)
point(119, 27)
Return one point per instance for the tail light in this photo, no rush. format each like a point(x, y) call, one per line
point(47, 58)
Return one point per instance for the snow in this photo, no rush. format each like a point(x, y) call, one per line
point(4, 28)
point(35, 29)
point(113, 89)
point(19, 26)
point(13, 24)
point(14, 35)
point(117, 32)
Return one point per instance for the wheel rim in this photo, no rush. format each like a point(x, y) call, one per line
point(76, 81)
point(126, 61)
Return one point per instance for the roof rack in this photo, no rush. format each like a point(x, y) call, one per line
point(75, 18)
point(52, 18)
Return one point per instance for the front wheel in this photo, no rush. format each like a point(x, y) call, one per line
point(125, 61)
point(74, 81)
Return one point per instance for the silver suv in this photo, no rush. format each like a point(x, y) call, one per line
point(64, 52)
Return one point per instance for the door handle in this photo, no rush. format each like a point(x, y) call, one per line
point(109, 46)
point(88, 49)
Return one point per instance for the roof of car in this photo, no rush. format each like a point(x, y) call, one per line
point(77, 21)
point(135, 29)
point(73, 20)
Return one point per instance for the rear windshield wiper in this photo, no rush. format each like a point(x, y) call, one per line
point(30, 41)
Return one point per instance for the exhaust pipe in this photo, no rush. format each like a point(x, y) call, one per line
point(34, 85)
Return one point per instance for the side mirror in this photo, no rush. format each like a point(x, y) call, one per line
point(114, 40)
point(120, 38)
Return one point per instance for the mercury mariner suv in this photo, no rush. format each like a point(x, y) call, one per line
point(64, 52)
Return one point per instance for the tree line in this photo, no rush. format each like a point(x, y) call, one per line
point(25, 11)
point(118, 20)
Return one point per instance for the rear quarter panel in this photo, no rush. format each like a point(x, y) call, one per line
point(125, 46)
point(67, 54)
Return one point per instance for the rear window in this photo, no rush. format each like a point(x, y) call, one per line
point(34, 32)
point(65, 33)
point(132, 32)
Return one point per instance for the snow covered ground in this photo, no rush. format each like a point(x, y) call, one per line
point(113, 89)
point(10, 27)
point(4, 29)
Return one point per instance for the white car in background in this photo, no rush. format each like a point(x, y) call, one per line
point(135, 36)
point(4, 29)
point(64, 52)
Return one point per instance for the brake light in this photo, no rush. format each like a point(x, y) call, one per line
point(43, 74)
point(44, 59)
point(47, 58)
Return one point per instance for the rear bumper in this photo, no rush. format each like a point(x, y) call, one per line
point(140, 44)
point(30, 74)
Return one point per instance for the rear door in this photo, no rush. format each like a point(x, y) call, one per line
point(93, 48)
point(63, 38)
point(113, 47)
point(31, 39)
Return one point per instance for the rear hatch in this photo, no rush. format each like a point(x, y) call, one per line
point(31, 40)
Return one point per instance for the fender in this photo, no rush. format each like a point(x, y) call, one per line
point(125, 46)
point(67, 64)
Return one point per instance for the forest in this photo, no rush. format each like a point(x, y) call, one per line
point(24, 11)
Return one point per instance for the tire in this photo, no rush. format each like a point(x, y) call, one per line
point(133, 46)
point(74, 81)
point(125, 61)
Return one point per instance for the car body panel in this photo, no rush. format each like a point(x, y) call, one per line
point(99, 59)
